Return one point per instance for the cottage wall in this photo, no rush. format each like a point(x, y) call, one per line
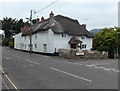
point(62, 42)
point(47, 42)
point(17, 41)
point(43, 42)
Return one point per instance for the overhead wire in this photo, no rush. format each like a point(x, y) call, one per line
point(44, 8)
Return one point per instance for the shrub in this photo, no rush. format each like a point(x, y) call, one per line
point(11, 44)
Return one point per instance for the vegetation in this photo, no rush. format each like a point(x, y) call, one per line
point(11, 43)
point(107, 40)
point(11, 27)
point(5, 42)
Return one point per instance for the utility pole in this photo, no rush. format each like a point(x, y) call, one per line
point(30, 32)
point(86, 20)
point(31, 15)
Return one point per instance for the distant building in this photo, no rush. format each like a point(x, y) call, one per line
point(119, 14)
point(49, 35)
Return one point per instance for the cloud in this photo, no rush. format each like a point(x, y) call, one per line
point(99, 13)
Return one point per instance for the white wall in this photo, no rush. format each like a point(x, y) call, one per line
point(62, 42)
point(52, 41)
point(17, 41)
point(21, 42)
point(43, 38)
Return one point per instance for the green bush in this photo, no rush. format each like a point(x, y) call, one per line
point(11, 44)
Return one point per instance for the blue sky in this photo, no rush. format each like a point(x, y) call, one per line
point(100, 13)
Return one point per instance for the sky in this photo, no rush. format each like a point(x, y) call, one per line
point(94, 13)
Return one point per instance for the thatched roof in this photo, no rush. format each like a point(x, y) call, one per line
point(74, 40)
point(60, 24)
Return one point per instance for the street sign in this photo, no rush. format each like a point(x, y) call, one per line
point(79, 53)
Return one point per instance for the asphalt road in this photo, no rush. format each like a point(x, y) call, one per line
point(47, 72)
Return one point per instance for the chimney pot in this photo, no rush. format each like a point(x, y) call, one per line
point(42, 19)
point(51, 14)
point(37, 20)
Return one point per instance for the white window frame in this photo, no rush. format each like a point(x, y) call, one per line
point(84, 46)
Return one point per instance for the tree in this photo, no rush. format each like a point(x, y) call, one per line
point(7, 24)
point(11, 27)
point(105, 40)
point(118, 39)
point(18, 26)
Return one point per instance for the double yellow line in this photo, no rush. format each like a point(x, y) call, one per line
point(9, 80)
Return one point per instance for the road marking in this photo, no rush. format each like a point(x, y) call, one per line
point(31, 61)
point(9, 79)
point(90, 65)
point(100, 67)
point(7, 58)
point(100, 64)
point(70, 74)
point(74, 63)
point(27, 66)
point(80, 64)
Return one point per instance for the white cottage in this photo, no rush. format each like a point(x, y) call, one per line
point(51, 34)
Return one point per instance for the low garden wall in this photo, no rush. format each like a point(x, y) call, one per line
point(82, 54)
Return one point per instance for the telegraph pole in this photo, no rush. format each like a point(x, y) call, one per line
point(30, 32)
point(31, 22)
point(86, 20)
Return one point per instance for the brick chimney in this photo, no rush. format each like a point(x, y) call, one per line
point(24, 28)
point(51, 18)
point(51, 14)
point(84, 25)
point(42, 19)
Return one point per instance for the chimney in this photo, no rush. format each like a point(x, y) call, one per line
point(24, 28)
point(51, 18)
point(37, 20)
point(51, 14)
point(42, 19)
point(84, 25)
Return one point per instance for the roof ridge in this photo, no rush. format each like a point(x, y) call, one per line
point(75, 20)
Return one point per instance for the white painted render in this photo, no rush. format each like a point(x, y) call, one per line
point(47, 42)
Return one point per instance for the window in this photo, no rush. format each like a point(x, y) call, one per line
point(45, 47)
point(35, 45)
point(83, 37)
point(36, 36)
point(25, 37)
point(28, 45)
point(84, 46)
point(63, 34)
point(25, 46)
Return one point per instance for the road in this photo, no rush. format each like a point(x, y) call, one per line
point(37, 71)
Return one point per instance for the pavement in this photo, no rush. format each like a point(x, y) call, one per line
point(37, 71)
